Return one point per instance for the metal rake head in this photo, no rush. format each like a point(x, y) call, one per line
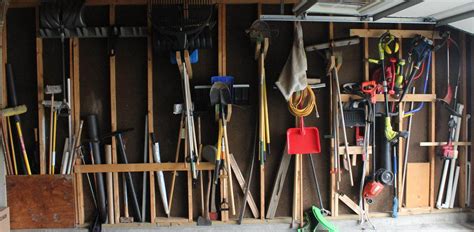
point(183, 24)
point(259, 30)
point(58, 14)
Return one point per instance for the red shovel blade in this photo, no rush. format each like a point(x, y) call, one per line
point(303, 143)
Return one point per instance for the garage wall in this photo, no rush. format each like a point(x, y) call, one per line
point(131, 94)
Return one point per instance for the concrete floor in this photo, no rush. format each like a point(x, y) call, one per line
point(420, 223)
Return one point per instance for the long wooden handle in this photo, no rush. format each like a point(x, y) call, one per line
point(229, 171)
point(51, 135)
point(178, 148)
point(110, 193)
point(15, 167)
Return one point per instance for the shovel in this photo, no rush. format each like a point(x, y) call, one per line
point(220, 97)
point(303, 140)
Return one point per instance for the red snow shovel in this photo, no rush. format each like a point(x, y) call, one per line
point(303, 140)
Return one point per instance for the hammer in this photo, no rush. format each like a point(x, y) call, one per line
point(8, 112)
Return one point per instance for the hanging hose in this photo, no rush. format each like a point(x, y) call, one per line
point(420, 49)
point(421, 72)
point(297, 106)
point(425, 88)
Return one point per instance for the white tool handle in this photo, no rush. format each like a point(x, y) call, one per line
point(455, 187)
point(65, 157)
point(161, 178)
point(441, 186)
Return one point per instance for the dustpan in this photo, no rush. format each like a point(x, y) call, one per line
point(303, 140)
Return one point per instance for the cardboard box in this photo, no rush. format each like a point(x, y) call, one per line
point(4, 219)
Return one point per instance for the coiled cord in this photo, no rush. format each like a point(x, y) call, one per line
point(302, 103)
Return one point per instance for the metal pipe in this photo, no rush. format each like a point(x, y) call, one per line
point(93, 129)
point(345, 19)
point(405, 155)
point(128, 175)
point(344, 132)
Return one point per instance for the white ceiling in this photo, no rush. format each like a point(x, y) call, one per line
point(428, 9)
point(465, 25)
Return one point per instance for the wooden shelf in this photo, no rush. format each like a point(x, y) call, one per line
point(33, 3)
point(354, 150)
point(140, 167)
point(407, 98)
point(434, 144)
point(376, 33)
point(403, 212)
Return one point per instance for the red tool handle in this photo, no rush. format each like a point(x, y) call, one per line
point(302, 126)
point(369, 87)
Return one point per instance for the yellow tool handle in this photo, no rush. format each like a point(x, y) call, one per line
point(12, 145)
point(265, 105)
point(25, 156)
point(262, 111)
point(219, 141)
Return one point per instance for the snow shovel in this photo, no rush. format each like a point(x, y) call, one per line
point(303, 140)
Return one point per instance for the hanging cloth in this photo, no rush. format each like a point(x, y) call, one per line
point(293, 76)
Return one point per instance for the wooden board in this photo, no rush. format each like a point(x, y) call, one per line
point(241, 180)
point(418, 182)
point(32, 3)
point(41, 201)
point(432, 133)
point(150, 104)
point(148, 167)
point(407, 98)
point(41, 119)
point(376, 33)
point(462, 157)
point(434, 144)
